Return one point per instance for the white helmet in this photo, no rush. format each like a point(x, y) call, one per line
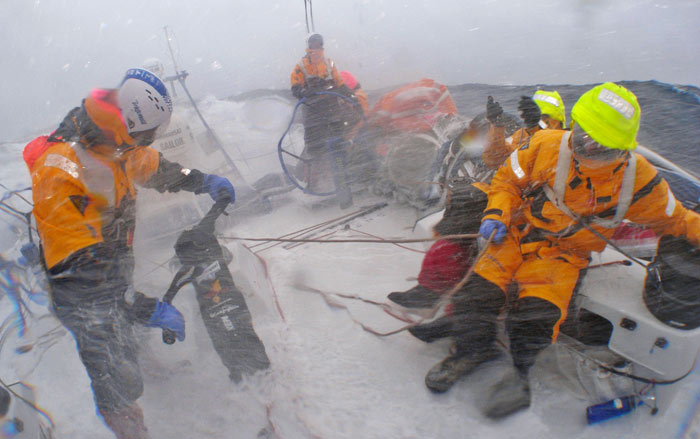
point(144, 101)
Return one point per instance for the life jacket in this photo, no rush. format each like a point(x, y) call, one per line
point(415, 107)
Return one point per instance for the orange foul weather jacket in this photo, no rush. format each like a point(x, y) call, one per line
point(516, 198)
point(84, 196)
point(314, 72)
point(545, 248)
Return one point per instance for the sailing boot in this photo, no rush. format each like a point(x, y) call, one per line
point(476, 308)
point(443, 375)
point(530, 328)
point(127, 422)
point(435, 330)
point(508, 396)
point(417, 297)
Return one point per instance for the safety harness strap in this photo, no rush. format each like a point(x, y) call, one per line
point(97, 176)
point(556, 194)
point(329, 70)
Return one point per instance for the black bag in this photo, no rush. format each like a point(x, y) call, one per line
point(672, 286)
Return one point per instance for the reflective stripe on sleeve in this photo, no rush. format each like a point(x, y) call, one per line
point(62, 163)
point(515, 165)
point(671, 206)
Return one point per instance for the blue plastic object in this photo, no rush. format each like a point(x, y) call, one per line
point(611, 409)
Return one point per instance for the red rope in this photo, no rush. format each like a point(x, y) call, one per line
point(444, 300)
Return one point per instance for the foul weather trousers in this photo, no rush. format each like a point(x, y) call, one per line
point(544, 279)
point(90, 303)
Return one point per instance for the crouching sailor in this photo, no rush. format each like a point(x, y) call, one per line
point(549, 206)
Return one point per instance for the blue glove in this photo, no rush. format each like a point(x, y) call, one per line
point(489, 225)
point(218, 188)
point(167, 316)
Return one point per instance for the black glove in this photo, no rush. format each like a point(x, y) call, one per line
point(345, 91)
point(300, 92)
point(529, 111)
point(494, 111)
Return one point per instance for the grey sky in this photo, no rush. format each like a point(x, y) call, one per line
point(55, 51)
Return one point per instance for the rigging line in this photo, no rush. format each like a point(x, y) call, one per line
point(295, 235)
point(308, 236)
point(17, 211)
point(444, 299)
point(9, 212)
point(306, 16)
point(316, 226)
point(612, 244)
point(172, 55)
point(157, 267)
point(311, 8)
point(335, 222)
point(378, 237)
point(260, 156)
point(376, 241)
point(17, 193)
point(217, 140)
point(331, 233)
point(25, 217)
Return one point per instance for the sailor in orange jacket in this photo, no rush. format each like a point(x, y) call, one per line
point(315, 72)
point(549, 205)
point(83, 186)
point(326, 117)
point(545, 110)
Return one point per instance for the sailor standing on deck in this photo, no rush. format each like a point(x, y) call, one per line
point(84, 178)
